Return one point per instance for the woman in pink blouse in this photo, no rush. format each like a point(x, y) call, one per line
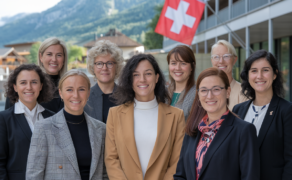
point(217, 144)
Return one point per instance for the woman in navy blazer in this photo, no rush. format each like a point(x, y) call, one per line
point(262, 83)
point(27, 86)
point(217, 144)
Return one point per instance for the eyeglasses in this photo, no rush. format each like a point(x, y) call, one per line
point(109, 64)
point(216, 90)
point(225, 57)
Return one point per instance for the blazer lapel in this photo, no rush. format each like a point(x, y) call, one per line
point(242, 112)
point(197, 140)
point(127, 124)
point(95, 137)
point(64, 140)
point(24, 125)
point(97, 101)
point(269, 117)
point(165, 123)
point(221, 135)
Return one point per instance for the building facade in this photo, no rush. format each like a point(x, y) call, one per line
point(259, 24)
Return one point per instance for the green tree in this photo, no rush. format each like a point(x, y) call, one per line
point(152, 39)
point(75, 53)
point(33, 57)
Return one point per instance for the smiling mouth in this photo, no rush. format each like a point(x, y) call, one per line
point(28, 93)
point(144, 86)
point(260, 83)
point(211, 102)
point(178, 74)
point(222, 67)
point(54, 65)
point(75, 102)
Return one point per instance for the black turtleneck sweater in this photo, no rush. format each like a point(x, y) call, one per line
point(80, 138)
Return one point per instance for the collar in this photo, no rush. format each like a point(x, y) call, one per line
point(146, 105)
point(20, 108)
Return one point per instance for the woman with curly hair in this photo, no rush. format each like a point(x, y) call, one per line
point(53, 61)
point(104, 61)
point(27, 86)
point(143, 135)
point(262, 83)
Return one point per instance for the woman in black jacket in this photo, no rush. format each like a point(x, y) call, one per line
point(27, 86)
point(269, 112)
point(53, 61)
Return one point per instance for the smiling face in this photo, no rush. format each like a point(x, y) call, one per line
point(226, 66)
point(28, 87)
point(74, 92)
point(214, 104)
point(179, 70)
point(105, 75)
point(261, 76)
point(144, 81)
point(53, 59)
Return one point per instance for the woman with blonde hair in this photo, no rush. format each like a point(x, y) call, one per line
point(53, 61)
point(70, 144)
point(104, 61)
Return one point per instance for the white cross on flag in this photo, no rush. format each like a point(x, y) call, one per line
point(180, 19)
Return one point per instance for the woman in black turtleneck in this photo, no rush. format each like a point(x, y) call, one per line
point(70, 144)
point(53, 61)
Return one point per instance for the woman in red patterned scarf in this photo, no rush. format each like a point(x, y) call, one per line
point(217, 145)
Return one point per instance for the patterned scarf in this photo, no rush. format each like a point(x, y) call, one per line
point(208, 134)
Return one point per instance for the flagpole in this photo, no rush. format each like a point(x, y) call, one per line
point(233, 34)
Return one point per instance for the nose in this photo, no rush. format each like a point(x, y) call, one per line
point(104, 67)
point(178, 65)
point(142, 78)
point(29, 86)
point(259, 75)
point(75, 94)
point(209, 94)
point(220, 59)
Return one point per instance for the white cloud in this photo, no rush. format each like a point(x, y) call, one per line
point(13, 7)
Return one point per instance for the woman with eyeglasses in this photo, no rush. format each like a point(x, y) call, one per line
point(262, 83)
point(181, 65)
point(104, 61)
point(224, 57)
point(217, 144)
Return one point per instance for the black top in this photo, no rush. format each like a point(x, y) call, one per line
point(15, 136)
point(80, 138)
point(107, 103)
point(55, 105)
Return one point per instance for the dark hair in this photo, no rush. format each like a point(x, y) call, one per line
point(187, 55)
point(46, 94)
point(277, 85)
point(197, 111)
point(125, 93)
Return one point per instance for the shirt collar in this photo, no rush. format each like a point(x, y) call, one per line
point(20, 108)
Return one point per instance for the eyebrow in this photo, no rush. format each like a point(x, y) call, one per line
point(211, 87)
point(145, 70)
point(261, 68)
point(28, 80)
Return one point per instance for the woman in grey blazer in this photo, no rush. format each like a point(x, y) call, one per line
point(182, 90)
point(104, 61)
point(70, 144)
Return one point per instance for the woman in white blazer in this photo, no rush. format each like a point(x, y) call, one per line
point(70, 144)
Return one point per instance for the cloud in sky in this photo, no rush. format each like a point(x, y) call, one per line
point(13, 7)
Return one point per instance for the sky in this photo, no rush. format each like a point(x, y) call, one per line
point(13, 7)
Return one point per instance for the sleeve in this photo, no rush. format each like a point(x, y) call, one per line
point(180, 169)
point(38, 153)
point(112, 161)
point(104, 173)
point(174, 157)
point(249, 154)
point(287, 120)
point(3, 149)
point(8, 103)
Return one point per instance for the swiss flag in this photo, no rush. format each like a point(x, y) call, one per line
point(180, 19)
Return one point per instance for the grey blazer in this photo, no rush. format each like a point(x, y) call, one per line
point(94, 104)
point(186, 103)
point(52, 154)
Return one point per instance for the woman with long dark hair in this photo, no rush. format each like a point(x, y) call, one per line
point(262, 83)
point(144, 135)
point(217, 144)
point(181, 65)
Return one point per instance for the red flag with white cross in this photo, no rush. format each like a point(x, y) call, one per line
point(180, 19)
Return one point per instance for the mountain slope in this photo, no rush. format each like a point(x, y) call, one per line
point(79, 20)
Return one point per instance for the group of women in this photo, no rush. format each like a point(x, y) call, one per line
point(131, 126)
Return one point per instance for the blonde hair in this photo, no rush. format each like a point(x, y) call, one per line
point(73, 72)
point(49, 42)
point(103, 48)
point(225, 43)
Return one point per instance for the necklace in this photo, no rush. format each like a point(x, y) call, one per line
point(76, 123)
point(176, 98)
